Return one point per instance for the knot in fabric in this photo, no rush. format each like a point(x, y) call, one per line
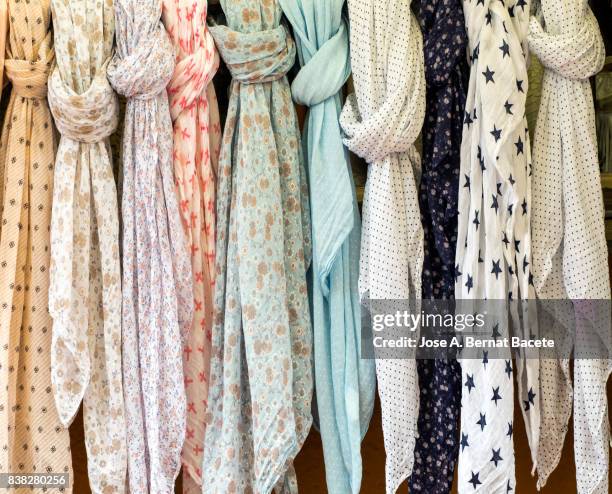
point(29, 79)
point(577, 55)
point(395, 110)
point(393, 128)
point(444, 46)
point(146, 71)
point(89, 117)
point(326, 72)
point(254, 58)
point(192, 75)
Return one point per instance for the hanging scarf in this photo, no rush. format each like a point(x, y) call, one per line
point(446, 73)
point(197, 132)
point(493, 249)
point(381, 122)
point(570, 254)
point(345, 383)
point(85, 288)
point(32, 438)
point(260, 384)
point(4, 23)
point(157, 282)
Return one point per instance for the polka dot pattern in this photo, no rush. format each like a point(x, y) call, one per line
point(32, 438)
point(381, 122)
point(570, 255)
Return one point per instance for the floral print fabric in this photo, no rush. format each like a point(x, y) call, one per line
point(259, 405)
point(32, 438)
point(197, 134)
point(446, 74)
point(157, 279)
point(85, 289)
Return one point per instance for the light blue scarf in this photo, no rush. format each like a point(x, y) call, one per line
point(344, 383)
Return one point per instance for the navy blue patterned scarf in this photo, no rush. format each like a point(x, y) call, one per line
point(446, 72)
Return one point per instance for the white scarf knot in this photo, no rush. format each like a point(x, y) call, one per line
point(325, 73)
point(573, 55)
point(145, 72)
point(89, 117)
point(396, 123)
point(184, 88)
point(254, 58)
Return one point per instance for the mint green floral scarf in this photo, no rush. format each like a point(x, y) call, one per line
point(261, 379)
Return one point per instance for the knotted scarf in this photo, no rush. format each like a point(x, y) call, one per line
point(493, 259)
point(381, 122)
point(32, 438)
point(259, 405)
point(570, 255)
point(344, 382)
point(85, 288)
point(197, 132)
point(446, 74)
point(157, 282)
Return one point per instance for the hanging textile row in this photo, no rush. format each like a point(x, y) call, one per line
point(201, 297)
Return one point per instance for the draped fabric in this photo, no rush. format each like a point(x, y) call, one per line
point(446, 74)
point(3, 32)
point(381, 122)
point(570, 254)
point(197, 132)
point(157, 281)
point(344, 382)
point(493, 259)
point(32, 438)
point(85, 278)
point(259, 405)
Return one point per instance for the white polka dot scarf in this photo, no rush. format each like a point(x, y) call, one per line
point(381, 121)
point(570, 255)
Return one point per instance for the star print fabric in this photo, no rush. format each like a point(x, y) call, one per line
point(381, 122)
point(85, 275)
point(32, 438)
point(157, 279)
point(569, 245)
point(259, 405)
point(446, 74)
point(197, 135)
point(345, 383)
point(493, 248)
